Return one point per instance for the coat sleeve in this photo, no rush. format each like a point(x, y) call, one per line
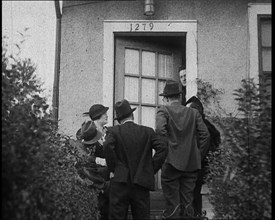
point(161, 122)
point(109, 150)
point(99, 150)
point(203, 135)
point(215, 136)
point(161, 150)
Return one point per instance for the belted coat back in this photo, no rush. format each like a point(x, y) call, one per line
point(187, 135)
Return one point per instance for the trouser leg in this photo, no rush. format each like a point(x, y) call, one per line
point(187, 186)
point(170, 186)
point(140, 202)
point(197, 202)
point(103, 205)
point(103, 202)
point(119, 200)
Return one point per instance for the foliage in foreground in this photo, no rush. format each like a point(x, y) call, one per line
point(240, 171)
point(39, 180)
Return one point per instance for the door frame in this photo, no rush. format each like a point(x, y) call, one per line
point(147, 27)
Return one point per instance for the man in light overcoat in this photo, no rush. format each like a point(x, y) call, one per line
point(188, 140)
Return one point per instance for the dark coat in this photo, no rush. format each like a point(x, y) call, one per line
point(215, 136)
point(93, 174)
point(128, 150)
point(187, 135)
point(215, 140)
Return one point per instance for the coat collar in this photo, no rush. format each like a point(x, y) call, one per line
point(176, 103)
point(129, 120)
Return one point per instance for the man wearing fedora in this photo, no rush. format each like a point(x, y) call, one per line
point(188, 139)
point(128, 150)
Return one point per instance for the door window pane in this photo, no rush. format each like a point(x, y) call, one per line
point(131, 89)
point(161, 85)
point(169, 66)
point(131, 61)
point(136, 118)
point(165, 66)
point(136, 115)
point(148, 116)
point(148, 63)
point(148, 91)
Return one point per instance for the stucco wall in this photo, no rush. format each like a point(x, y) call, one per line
point(222, 47)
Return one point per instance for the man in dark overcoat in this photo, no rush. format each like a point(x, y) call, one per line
point(129, 155)
point(188, 139)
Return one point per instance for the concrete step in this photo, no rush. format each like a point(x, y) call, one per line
point(158, 203)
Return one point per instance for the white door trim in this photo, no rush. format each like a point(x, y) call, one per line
point(147, 27)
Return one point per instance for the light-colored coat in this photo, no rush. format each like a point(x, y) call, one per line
point(187, 135)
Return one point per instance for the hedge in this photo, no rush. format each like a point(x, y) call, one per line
point(240, 171)
point(39, 180)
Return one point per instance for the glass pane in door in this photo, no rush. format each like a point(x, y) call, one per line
point(136, 115)
point(131, 89)
point(161, 85)
point(165, 65)
point(148, 116)
point(148, 91)
point(148, 63)
point(131, 61)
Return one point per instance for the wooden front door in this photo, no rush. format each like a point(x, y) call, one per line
point(142, 65)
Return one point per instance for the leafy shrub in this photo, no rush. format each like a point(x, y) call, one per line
point(39, 180)
point(240, 172)
point(210, 98)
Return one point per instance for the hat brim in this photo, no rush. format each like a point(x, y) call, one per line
point(95, 116)
point(169, 94)
point(95, 139)
point(126, 115)
point(78, 134)
point(104, 111)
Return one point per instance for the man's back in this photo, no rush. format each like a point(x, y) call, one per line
point(133, 146)
point(128, 150)
point(186, 133)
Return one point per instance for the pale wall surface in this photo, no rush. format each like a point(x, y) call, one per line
point(222, 47)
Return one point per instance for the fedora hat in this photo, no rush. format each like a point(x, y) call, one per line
point(171, 88)
point(123, 109)
point(96, 111)
point(88, 133)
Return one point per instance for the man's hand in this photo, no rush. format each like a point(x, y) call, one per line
point(112, 175)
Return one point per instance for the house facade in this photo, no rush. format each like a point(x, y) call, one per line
point(110, 50)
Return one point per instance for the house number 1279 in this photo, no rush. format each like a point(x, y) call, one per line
point(141, 27)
